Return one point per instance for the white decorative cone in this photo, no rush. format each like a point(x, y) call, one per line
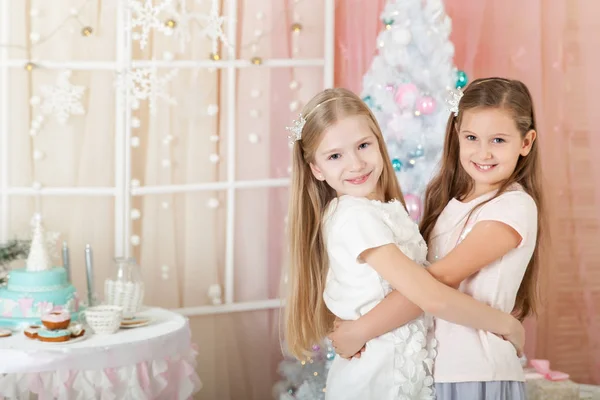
point(38, 259)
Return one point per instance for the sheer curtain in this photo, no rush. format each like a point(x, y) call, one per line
point(552, 47)
point(178, 238)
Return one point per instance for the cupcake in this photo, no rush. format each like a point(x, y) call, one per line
point(53, 335)
point(57, 320)
point(32, 331)
point(5, 333)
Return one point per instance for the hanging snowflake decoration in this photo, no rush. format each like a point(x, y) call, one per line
point(62, 100)
point(210, 25)
point(145, 84)
point(147, 16)
point(214, 26)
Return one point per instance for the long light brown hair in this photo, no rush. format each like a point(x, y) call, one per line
point(452, 181)
point(307, 319)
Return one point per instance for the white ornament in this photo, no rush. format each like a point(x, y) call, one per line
point(164, 268)
point(34, 100)
point(135, 214)
point(165, 205)
point(38, 258)
point(168, 56)
point(214, 158)
point(254, 113)
point(62, 99)
point(135, 240)
point(135, 122)
point(145, 84)
point(34, 12)
point(166, 163)
point(147, 16)
point(294, 106)
point(294, 85)
point(34, 37)
point(212, 203)
point(255, 93)
point(164, 276)
point(135, 141)
point(212, 109)
point(38, 155)
point(36, 185)
point(135, 183)
point(214, 138)
point(253, 138)
point(260, 15)
point(167, 140)
point(402, 36)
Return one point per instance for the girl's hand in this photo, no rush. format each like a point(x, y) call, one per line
point(516, 337)
point(347, 339)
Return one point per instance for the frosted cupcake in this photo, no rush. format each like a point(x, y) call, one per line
point(57, 320)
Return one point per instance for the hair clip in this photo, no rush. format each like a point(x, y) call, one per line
point(296, 129)
point(454, 100)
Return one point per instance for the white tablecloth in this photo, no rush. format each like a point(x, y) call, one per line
point(156, 361)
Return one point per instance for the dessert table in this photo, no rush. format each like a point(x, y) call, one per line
point(156, 361)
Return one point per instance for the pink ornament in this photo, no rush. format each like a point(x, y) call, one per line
point(426, 105)
point(413, 205)
point(406, 95)
point(389, 87)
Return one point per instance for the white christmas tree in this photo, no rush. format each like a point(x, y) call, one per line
point(304, 380)
point(38, 259)
point(407, 86)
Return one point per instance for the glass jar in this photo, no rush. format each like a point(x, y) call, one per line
point(126, 289)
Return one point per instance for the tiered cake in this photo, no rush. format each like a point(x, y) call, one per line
point(37, 289)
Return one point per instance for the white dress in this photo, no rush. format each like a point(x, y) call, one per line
point(398, 364)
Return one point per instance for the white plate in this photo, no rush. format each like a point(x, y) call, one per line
point(68, 342)
point(143, 322)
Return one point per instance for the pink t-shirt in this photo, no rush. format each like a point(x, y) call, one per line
point(466, 354)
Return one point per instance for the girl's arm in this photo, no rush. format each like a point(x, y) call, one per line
point(488, 241)
point(433, 297)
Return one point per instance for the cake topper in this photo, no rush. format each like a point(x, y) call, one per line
point(38, 259)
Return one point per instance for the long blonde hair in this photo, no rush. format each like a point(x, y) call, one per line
point(452, 181)
point(307, 319)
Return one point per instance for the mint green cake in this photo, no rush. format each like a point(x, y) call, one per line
point(36, 289)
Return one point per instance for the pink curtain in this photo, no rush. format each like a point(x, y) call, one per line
point(553, 47)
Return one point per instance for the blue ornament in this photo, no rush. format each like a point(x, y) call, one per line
point(330, 355)
point(461, 79)
point(418, 152)
point(397, 164)
point(368, 101)
point(388, 22)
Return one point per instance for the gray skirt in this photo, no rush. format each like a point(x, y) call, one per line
point(493, 390)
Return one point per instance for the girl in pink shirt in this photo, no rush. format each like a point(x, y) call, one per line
point(481, 223)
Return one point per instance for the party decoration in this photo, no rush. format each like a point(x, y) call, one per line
point(413, 206)
point(461, 79)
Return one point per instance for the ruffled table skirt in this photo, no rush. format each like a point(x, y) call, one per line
point(153, 362)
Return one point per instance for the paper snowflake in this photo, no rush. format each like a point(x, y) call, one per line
point(147, 16)
point(211, 25)
point(145, 84)
point(62, 99)
point(214, 26)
